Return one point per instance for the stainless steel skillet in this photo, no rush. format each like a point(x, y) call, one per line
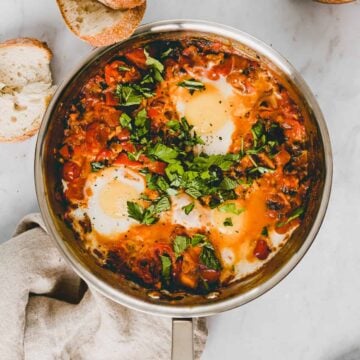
point(187, 306)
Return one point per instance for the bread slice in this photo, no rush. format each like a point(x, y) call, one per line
point(25, 87)
point(122, 4)
point(98, 24)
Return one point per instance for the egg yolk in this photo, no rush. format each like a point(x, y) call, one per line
point(207, 110)
point(112, 200)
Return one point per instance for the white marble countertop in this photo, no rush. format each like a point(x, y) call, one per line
point(315, 312)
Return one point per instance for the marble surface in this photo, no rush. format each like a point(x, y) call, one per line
point(315, 312)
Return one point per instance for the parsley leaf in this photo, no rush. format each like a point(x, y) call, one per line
point(294, 215)
point(166, 53)
point(231, 208)
point(152, 62)
point(197, 239)
point(163, 204)
point(164, 153)
point(208, 257)
point(180, 244)
point(124, 68)
point(135, 211)
point(261, 170)
point(165, 267)
point(228, 184)
point(192, 85)
point(125, 121)
point(264, 231)
point(156, 66)
point(188, 208)
point(228, 222)
point(149, 215)
point(128, 95)
point(96, 166)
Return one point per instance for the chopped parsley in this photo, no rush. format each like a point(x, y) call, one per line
point(148, 215)
point(228, 222)
point(156, 67)
point(208, 257)
point(182, 242)
point(294, 215)
point(192, 85)
point(124, 68)
point(188, 208)
point(96, 166)
point(165, 267)
point(231, 208)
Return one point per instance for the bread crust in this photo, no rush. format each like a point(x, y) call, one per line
point(31, 42)
point(122, 4)
point(27, 41)
point(120, 31)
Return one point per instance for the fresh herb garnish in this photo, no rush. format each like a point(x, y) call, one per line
point(264, 231)
point(192, 85)
point(180, 244)
point(156, 66)
point(148, 215)
point(188, 208)
point(166, 53)
point(163, 152)
point(294, 215)
point(125, 121)
point(128, 95)
point(96, 166)
point(124, 68)
point(228, 222)
point(208, 257)
point(165, 267)
point(231, 208)
point(261, 170)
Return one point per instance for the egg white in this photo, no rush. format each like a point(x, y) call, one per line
point(106, 196)
point(209, 111)
point(196, 219)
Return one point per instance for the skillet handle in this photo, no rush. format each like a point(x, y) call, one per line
point(182, 339)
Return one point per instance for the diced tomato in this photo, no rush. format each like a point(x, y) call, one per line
point(75, 189)
point(110, 99)
point(123, 159)
point(294, 130)
point(153, 113)
point(137, 57)
point(65, 152)
point(104, 154)
point(282, 157)
point(123, 135)
point(262, 249)
point(71, 171)
point(128, 146)
point(111, 74)
point(223, 69)
point(96, 136)
point(157, 167)
point(209, 275)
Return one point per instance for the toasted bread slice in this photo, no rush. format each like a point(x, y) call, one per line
point(122, 4)
point(25, 87)
point(98, 24)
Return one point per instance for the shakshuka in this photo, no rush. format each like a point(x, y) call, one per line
point(184, 164)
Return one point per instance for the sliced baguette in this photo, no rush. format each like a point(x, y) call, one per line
point(25, 87)
point(98, 24)
point(122, 4)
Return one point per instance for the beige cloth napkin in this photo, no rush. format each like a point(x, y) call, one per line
point(48, 312)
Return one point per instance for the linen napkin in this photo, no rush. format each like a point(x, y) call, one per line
point(48, 312)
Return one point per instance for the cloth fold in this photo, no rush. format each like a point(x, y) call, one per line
point(48, 312)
